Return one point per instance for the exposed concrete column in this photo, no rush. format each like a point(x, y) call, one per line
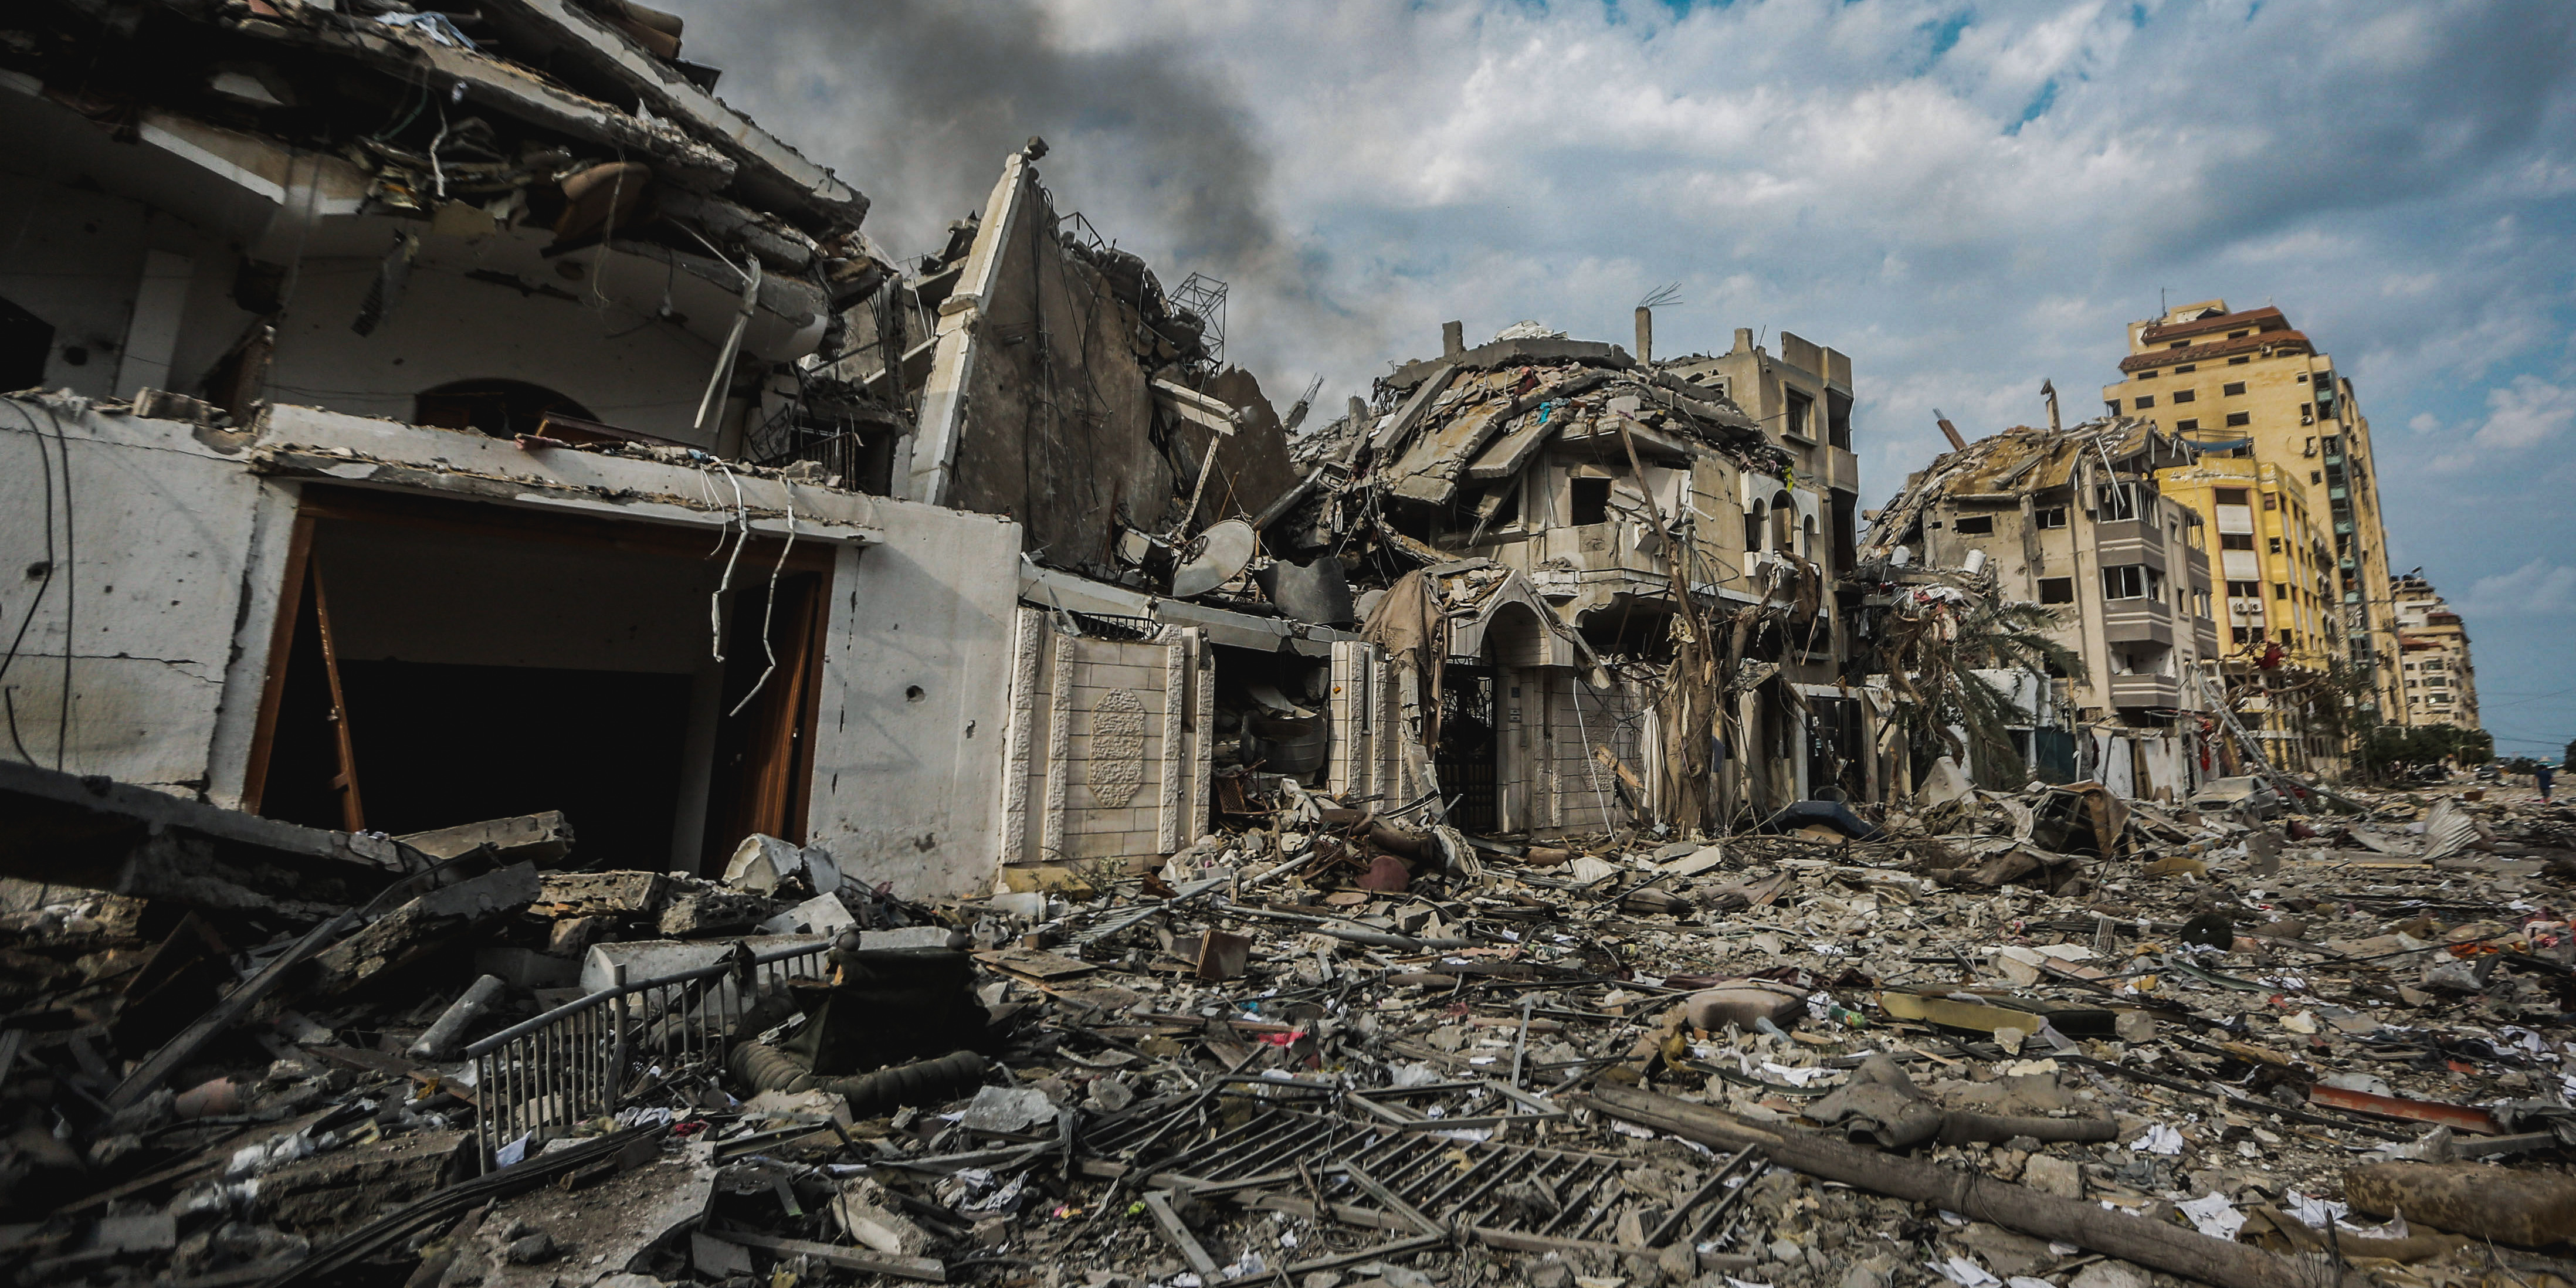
point(1645, 334)
point(152, 331)
point(1453, 339)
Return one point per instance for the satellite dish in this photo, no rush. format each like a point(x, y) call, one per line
point(1214, 559)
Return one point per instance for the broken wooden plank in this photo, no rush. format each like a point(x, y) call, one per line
point(1159, 1205)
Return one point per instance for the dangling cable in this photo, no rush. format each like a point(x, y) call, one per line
point(715, 602)
point(770, 603)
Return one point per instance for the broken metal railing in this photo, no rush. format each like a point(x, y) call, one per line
point(536, 1079)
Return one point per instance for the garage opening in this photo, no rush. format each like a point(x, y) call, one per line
point(442, 662)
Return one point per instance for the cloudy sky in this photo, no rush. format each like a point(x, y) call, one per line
point(1967, 198)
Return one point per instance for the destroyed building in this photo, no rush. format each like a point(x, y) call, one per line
point(2077, 523)
point(1608, 589)
point(405, 463)
point(542, 665)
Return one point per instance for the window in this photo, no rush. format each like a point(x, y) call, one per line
point(2233, 388)
point(1798, 419)
point(2238, 335)
point(2146, 375)
point(2236, 541)
point(2113, 404)
point(2228, 495)
point(2244, 589)
point(1753, 527)
point(2239, 360)
point(2244, 635)
point(2179, 344)
point(1591, 501)
point(2316, 476)
point(2302, 378)
point(2057, 590)
point(2185, 425)
point(2276, 545)
point(2186, 367)
point(2280, 591)
point(2186, 395)
point(2240, 418)
point(2132, 581)
point(2145, 401)
point(2271, 501)
point(2049, 516)
point(1975, 525)
point(2285, 635)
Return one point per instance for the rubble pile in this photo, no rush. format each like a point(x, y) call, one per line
point(2034, 1037)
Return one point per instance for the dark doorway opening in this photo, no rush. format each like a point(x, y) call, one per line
point(602, 746)
point(1469, 745)
point(1835, 744)
point(441, 662)
point(26, 341)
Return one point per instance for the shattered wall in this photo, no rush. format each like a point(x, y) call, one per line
point(176, 559)
point(1040, 401)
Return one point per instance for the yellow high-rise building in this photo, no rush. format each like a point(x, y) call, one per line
point(2252, 390)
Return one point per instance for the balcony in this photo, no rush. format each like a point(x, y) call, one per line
point(1842, 469)
point(2131, 621)
point(2204, 634)
point(2130, 541)
point(2145, 691)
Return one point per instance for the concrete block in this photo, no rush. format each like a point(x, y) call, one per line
point(600, 894)
point(821, 915)
point(704, 908)
point(348, 1186)
point(529, 838)
point(525, 968)
point(652, 958)
point(416, 928)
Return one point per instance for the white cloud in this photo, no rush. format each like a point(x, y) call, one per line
point(2525, 414)
point(2539, 588)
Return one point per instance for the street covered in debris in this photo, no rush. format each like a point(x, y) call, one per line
point(574, 720)
point(2033, 1036)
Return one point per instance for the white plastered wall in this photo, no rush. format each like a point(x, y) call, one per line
point(178, 550)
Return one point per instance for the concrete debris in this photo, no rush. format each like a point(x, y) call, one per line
point(1080, 823)
point(2019, 1079)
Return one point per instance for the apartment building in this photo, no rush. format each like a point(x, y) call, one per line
point(2246, 385)
point(2078, 521)
point(2441, 682)
point(2274, 563)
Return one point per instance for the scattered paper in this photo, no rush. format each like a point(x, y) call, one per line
point(2214, 1215)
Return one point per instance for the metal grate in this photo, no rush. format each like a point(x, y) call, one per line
point(535, 1080)
point(1378, 1174)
